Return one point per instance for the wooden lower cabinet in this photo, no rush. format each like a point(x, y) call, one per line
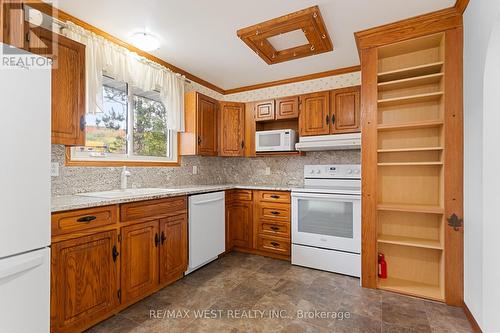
point(173, 248)
point(139, 273)
point(84, 281)
point(239, 218)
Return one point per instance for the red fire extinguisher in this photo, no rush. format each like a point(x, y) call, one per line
point(382, 266)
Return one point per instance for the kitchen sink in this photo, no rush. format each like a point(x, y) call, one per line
point(130, 192)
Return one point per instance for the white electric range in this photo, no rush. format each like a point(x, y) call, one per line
point(326, 219)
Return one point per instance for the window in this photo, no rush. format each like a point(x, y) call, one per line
point(130, 128)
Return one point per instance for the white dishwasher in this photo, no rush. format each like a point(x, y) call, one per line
point(206, 229)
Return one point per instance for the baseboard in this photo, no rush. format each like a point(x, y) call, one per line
point(472, 320)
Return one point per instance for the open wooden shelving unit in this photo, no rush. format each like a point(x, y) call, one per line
point(410, 166)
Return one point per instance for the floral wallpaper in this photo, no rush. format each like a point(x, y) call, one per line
point(297, 88)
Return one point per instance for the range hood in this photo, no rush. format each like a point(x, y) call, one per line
point(329, 142)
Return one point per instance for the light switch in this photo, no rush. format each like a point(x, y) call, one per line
point(268, 171)
point(195, 169)
point(54, 169)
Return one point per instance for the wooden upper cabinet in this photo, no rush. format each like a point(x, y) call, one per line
point(139, 273)
point(232, 125)
point(264, 111)
point(201, 116)
point(287, 108)
point(68, 86)
point(314, 116)
point(85, 281)
point(174, 248)
point(345, 105)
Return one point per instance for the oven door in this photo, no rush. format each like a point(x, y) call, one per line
point(330, 221)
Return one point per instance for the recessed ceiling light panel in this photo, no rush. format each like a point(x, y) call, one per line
point(293, 36)
point(145, 41)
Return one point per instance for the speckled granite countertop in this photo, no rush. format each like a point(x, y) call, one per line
point(69, 202)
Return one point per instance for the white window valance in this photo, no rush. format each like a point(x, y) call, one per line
point(103, 56)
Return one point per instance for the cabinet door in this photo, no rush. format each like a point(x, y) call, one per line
point(287, 108)
point(207, 126)
point(314, 118)
point(232, 141)
point(174, 248)
point(84, 281)
point(239, 216)
point(264, 110)
point(68, 87)
point(139, 260)
point(345, 116)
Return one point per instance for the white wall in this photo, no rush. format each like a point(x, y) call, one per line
point(482, 162)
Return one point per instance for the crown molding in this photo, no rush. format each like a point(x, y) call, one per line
point(461, 5)
point(413, 27)
point(307, 77)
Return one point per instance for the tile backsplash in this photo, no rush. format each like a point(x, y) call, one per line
point(211, 170)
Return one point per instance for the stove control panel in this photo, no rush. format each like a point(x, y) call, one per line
point(352, 171)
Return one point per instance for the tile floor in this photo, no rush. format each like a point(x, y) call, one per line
point(247, 293)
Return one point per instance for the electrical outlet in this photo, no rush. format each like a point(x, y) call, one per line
point(268, 171)
point(195, 169)
point(54, 169)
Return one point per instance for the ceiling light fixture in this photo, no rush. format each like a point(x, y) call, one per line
point(145, 41)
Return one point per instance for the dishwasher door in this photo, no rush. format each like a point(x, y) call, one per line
point(206, 228)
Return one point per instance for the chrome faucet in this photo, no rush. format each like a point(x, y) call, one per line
point(123, 179)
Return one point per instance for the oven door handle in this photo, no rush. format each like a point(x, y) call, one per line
point(340, 197)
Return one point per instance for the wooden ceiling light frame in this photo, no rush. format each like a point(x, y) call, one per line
point(308, 20)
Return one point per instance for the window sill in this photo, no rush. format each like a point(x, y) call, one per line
point(70, 162)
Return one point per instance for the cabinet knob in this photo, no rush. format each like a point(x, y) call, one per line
point(82, 123)
point(275, 212)
point(333, 119)
point(163, 238)
point(157, 240)
point(275, 228)
point(275, 244)
point(327, 119)
point(274, 196)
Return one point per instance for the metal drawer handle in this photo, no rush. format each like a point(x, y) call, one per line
point(274, 228)
point(274, 196)
point(86, 219)
point(115, 253)
point(275, 244)
point(275, 212)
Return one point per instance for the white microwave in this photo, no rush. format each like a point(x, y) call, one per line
point(276, 140)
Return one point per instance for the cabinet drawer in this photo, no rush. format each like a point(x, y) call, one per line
point(76, 220)
point(278, 229)
point(273, 244)
point(274, 212)
point(239, 195)
point(152, 208)
point(272, 196)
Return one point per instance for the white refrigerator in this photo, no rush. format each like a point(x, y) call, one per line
point(25, 104)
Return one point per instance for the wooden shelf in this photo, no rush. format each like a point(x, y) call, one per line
point(409, 72)
point(409, 163)
point(411, 241)
point(412, 288)
point(280, 153)
point(410, 99)
point(411, 125)
point(411, 208)
point(404, 150)
point(410, 82)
